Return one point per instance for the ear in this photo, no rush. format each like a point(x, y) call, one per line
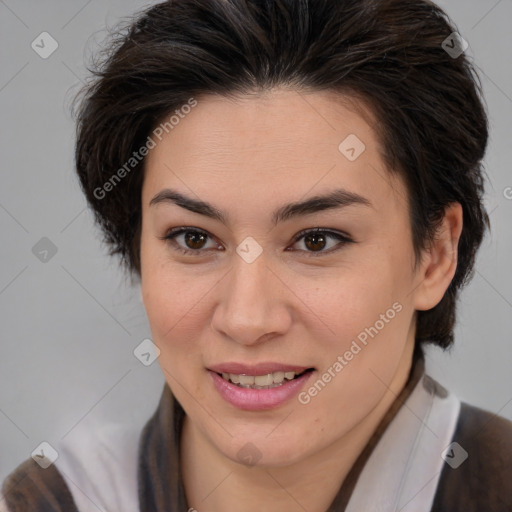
point(439, 260)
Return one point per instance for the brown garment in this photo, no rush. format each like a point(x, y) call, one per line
point(31, 488)
point(482, 483)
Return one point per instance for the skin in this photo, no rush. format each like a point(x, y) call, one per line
point(248, 157)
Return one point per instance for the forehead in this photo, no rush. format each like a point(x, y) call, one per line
point(273, 144)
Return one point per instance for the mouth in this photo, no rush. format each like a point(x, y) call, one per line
point(259, 387)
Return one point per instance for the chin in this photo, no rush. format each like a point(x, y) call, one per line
point(263, 453)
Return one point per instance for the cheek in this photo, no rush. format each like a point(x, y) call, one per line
point(368, 337)
point(369, 322)
point(175, 300)
point(172, 307)
point(170, 303)
point(165, 292)
point(355, 299)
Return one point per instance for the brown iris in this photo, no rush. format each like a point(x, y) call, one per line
point(196, 239)
point(318, 240)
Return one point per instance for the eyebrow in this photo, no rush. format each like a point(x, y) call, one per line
point(338, 198)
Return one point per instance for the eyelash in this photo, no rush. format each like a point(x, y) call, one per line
point(173, 233)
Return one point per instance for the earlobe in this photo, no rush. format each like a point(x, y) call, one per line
point(439, 261)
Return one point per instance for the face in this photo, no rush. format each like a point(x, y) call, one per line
point(246, 287)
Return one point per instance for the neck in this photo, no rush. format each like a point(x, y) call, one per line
point(216, 483)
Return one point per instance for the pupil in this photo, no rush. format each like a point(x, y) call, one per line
point(315, 236)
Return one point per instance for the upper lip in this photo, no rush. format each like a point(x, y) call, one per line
point(256, 369)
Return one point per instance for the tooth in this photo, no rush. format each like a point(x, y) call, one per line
point(263, 380)
point(259, 381)
point(248, 380)
point(278, 377)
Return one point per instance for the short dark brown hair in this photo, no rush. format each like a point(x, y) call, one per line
point(432, 123)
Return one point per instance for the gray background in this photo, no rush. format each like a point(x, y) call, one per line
point(69, 325)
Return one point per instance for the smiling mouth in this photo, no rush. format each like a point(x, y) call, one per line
point(267, 381)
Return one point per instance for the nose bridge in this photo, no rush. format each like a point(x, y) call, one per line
point(249, 275)
point(248, 293)
point(248, 307)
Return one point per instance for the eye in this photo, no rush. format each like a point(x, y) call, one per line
point(315, 240)
point(193, 238)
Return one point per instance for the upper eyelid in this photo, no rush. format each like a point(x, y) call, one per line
point(302, 232)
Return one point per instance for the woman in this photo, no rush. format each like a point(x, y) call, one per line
point(298, 186)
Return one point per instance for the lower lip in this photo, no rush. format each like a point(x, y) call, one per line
point(258, 399)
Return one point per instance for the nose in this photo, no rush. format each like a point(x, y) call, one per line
point(252, 304)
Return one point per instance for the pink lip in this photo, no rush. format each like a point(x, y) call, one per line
point(257, 369)
point(258, 399)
